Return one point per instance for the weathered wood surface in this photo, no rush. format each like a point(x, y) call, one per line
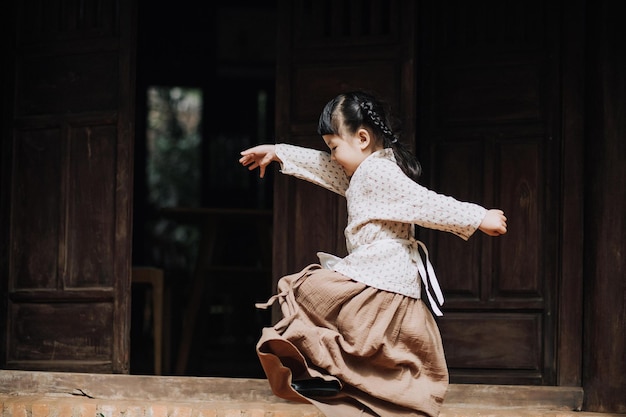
point(182, 389)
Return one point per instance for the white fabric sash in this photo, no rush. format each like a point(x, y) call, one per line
point(427, 273)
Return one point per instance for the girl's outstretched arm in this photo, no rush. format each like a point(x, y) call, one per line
point(259, 156)
point(494, 223)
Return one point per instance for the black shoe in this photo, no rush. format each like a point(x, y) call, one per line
point(316, 387)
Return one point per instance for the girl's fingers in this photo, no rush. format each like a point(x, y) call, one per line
point(251, 162)
point(247, 159)
point(257, 157)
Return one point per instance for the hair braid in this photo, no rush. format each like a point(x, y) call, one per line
point(368, 107)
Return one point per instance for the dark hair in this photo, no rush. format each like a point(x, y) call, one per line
point(357, 109)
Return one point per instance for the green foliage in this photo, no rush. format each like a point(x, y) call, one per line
point(174, 146)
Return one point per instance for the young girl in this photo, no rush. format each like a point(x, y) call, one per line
point(356, 338)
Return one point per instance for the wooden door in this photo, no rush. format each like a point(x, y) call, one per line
point(66, 186)
point(479, 84)
point(489, 96)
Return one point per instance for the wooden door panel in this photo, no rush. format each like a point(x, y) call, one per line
point(520, 187)
point(457, 262)
point(363, 23)
point(496, 92)
point(320, 84)
point(315, 219)
point(62, 336)
point(42, 20)
point(90, 239)
point(49, 84)
point(513, 340)
point(34, 249)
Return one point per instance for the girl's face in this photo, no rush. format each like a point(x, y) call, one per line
point(349, 150)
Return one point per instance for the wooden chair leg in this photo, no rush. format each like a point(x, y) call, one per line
point(154, 278)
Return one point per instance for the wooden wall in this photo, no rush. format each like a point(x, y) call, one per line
point(604, 376)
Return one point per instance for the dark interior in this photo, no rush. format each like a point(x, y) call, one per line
point(226, 52)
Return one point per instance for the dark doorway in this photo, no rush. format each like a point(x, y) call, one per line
point(205, 91)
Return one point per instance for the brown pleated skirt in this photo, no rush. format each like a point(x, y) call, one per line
point(384, 348)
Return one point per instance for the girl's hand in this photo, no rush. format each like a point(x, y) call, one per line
point(259, 156)
point(494, 223)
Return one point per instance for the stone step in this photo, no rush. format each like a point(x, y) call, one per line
point(59, 394)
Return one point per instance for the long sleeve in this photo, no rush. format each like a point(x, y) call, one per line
point(392, 196)
point(380, 191)
point(313, 166)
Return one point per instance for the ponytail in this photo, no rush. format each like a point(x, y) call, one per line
point(406, 160)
